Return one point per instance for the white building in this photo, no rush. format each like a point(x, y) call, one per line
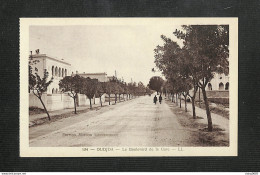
point(102, 77)
point(220, 82)
point(57, 68)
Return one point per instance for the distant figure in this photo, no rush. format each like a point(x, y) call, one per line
point(160, 99)
point(155, 99)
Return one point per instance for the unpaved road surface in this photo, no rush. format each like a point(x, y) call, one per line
point(138, 123)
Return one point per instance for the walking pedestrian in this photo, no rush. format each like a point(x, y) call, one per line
point(160, 99)
point(155, 99)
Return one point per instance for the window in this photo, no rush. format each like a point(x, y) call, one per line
point(56, 71)
point(227, 86)
point(209, 87)
point(65, 72)
point(56, 90)
point(62, 72)
point(52, 71)
point(221, 86)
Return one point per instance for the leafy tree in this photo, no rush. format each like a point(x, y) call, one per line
point(90, 88)
point(101, 90)
point(156, 83)
point(114, 87)
point(148, 90)
point(115, 90)
point(209, 47)
point(141, 88)
point(177, 66)
point(73, 86)
point(120, 89)
point(109, 89)
point(169, 88)
point(168, 59)
point(125, 90)
point(39, 85)
point(130, 89)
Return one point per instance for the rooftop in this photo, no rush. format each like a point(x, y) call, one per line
point(51, 58)
point(103, 73)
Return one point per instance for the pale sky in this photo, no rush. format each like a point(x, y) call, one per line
point(127, 49)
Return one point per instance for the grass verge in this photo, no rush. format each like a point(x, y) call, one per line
point(216, 109)
point(201, 135)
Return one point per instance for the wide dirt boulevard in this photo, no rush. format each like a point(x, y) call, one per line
point(133, 123)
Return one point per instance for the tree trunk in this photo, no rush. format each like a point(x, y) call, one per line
point(45, 108)
point(100, 101)
point(119, 97)
point(176, 99)
point(210, 127)
point(94, 98)
point(180, 101)
point(115, 98)
point(199, 97)
point(193, 98)
point(90, 103)
point(193, 108)
point(185, 97)
point(172, 97)
point(109, 99)
point(75, 111)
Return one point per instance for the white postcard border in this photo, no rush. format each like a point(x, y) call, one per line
point(26, 151)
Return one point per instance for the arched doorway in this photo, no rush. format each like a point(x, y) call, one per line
point(53, 91)
point(227, 86)
point(221, 86)
point(209, 87)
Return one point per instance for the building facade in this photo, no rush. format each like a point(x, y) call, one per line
point(220, 82)
point(101, 77)
point(57, 68)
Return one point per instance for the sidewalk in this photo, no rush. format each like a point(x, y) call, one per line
point(219, 120)
point(35, 117)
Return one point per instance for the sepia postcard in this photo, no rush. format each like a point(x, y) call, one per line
point(111, 87)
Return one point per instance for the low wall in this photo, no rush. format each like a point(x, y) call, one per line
point(112, 97)
point(35, 102)
point(61, 101)
point(213, 94)
point(221, 100)
point(82, 100)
